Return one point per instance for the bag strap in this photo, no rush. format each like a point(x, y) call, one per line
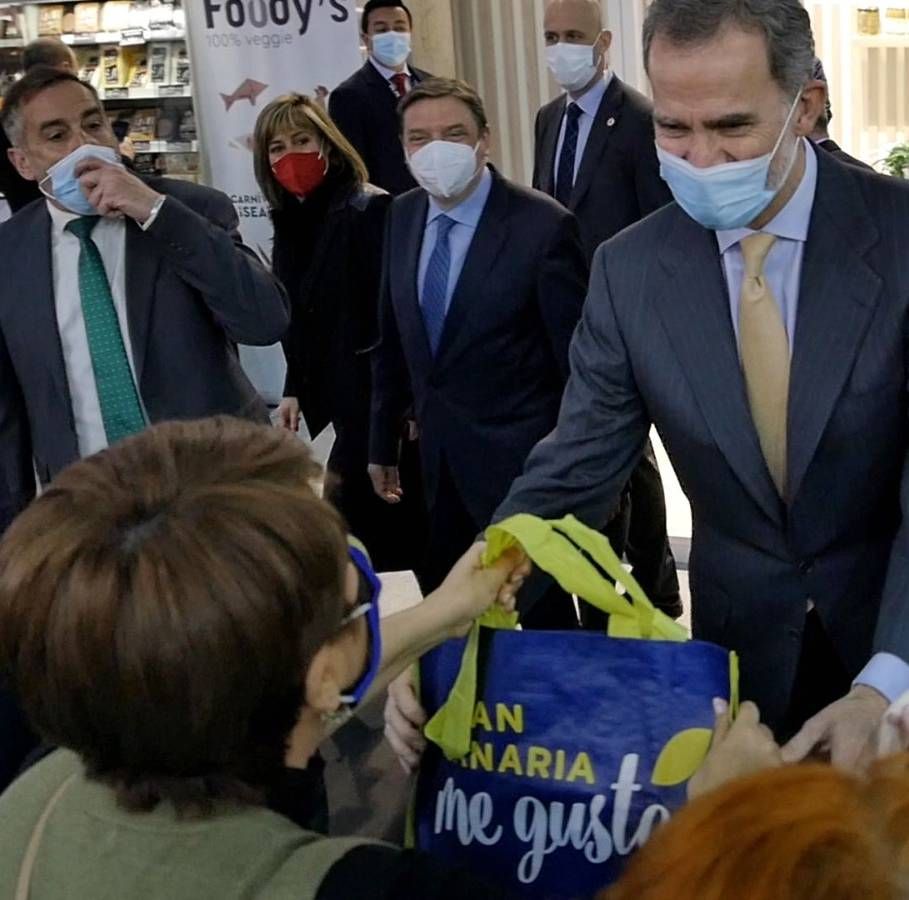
point(23, 885)
point(576, 556)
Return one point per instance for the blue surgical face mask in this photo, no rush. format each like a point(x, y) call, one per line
point(367, 607)
point(391, 48)
point(731, 195)
point(61, 185)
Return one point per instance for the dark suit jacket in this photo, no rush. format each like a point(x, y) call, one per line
point(193, 292)
point(656, 345)
point(834, 149)
point(618, 181)
point(13, 186)
point(334, 319)
point(366, 109)
point(493, 388)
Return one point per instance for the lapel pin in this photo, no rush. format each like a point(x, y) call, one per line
point(610, 121)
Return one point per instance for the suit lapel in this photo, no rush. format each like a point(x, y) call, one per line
point(412, 242)
point(603, 125)
point(549, 144)
point(838, 295)
point(142, 262)
point(484, 250)
point(694, 308)
point(43, 309)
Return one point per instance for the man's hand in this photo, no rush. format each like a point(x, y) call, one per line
point(386, 482)
point(739, 748)
point(114, 191)
point(288, 415)
point(404, 721)
point(845, 731)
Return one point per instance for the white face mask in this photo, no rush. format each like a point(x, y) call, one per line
point(444, 168)
point(391, 48)
point(572, 65)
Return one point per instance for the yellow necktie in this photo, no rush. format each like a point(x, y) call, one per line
point(764, 348)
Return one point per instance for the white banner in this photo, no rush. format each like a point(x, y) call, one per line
point(244, 54)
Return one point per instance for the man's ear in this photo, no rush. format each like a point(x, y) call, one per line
point(813, 100)
point(322, 683)
point(20, 161)
point(605, 41)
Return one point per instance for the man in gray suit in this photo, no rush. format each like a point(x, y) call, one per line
point(761, 324)
point(121, 299)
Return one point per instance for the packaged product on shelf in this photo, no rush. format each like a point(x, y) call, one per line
point(69, 22)
point(144, 163)
point(137, 65)
point(50, 20)
point(182, 163)
point(161, 16)
point(181, 74)
point(186, 131)
point(167, 126)
point(115, 15)
point(140, 14)
point(159, 63)
point(88, 18)
point(113, 68)
point(89, 60)
point(142, 126)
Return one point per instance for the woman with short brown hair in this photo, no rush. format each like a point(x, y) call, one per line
point(329, 230)
point(185, 617)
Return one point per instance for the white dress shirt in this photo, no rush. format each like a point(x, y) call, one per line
point(590, 105)
point(886, 672)
point(109, 236)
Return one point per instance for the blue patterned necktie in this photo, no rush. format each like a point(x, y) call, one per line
point(121, 409)
point(565, 178)
point(435, 283)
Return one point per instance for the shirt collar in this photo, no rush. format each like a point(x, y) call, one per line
point(59, 218)
point(387, 73)
point(792, 221)
point(590, 102)
point(469, 210)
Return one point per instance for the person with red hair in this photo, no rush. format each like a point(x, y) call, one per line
point(810, 832)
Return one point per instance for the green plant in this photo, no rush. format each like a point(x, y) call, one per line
point(897, 161)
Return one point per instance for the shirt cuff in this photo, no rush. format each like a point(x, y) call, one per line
point(154, 213)
point(887, 674)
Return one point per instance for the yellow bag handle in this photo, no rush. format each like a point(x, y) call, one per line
point(561, 548)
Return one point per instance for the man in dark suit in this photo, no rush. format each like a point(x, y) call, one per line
point(761, 324)
point(820, 135)
point(483, 284)
point(173, 290)
point(44, 51)
point(595, 154)
point(365, 106)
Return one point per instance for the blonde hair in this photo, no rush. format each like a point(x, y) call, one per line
point(293, 112)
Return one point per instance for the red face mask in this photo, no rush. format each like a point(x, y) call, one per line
point(300, 173)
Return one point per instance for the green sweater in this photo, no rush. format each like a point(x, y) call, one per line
point(93, 850)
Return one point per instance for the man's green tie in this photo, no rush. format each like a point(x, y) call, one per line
point(121, 409)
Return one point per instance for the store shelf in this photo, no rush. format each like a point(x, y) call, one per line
point(11, 43)
point(145, 94)
point(882, 40)
point(166, 146)
point(124, 39)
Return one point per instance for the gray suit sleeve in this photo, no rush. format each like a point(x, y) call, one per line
point(583, 465)
point(17, 474)
point(208, 253)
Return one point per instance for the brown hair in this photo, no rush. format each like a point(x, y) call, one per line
point(437, 88)
point(797, 833)
point(47, 51)
point(35, 81)
point(291, 113)
point(161, 603)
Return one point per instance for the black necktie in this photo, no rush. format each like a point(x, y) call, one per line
point(565, 177)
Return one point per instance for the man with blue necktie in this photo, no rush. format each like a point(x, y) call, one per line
point(483, 286)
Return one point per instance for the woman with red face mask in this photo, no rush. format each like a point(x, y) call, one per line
point(329, 225)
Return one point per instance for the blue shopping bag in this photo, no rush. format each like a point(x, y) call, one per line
point(554, 755)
